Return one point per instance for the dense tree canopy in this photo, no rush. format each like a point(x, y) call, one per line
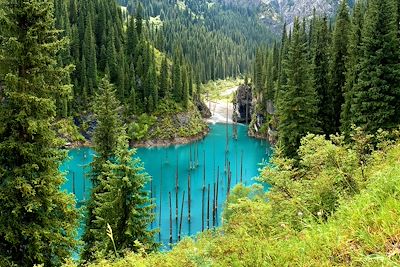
point(37, 220)
point(354, 67)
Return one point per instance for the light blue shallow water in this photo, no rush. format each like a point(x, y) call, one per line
point(163, 164)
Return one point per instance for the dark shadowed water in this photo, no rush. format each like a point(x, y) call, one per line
point(241, 158)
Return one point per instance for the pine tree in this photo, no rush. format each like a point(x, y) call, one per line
point(176, 81)
point(106, 140)
point(259, 73)
point(185, 88)
point(131, 37)
point(38, 220)
point(124, 204)
point(282, 78)
point(164, 87)
point(139, 20)
point(376, 94)
point(89, 52)
point(320, 64)
point(152, 87)
point(338, 66)
point(297, 108)
point(355, 54)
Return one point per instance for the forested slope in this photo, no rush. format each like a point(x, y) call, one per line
point(218, 40)
point(325, 79)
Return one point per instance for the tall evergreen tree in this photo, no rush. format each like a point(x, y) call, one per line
point(185, 88)
point(38, 220)
point(139, 19)
point(106, 140)
point(176, 81)
point(320, 67)
point(376, 94)
point(297, 108)
point(164, 84)
point(338, 65)
point(355, 54)
point(124, 204)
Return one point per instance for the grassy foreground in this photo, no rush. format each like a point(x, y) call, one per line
point(338, 206)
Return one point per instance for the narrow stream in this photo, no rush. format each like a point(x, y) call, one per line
point(170, 169)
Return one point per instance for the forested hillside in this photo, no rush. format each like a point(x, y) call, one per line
point(105, 40)
point(326, 79)
point(117, 74)
point(218, 40)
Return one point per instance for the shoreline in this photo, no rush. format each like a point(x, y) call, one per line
point(158, 143)
point(154, 143)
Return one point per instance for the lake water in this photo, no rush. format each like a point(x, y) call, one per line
point(170, 169)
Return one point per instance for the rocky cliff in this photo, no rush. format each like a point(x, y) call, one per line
point(275, 12)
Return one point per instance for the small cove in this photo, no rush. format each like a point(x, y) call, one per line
point(170, 168)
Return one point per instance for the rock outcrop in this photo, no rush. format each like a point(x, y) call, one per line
point(203, 109)
point(276, 12)
point(244, 102)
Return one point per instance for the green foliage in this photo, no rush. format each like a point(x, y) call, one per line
point(337, 70)
point(217, 90)
point(177, 124)
point(117, 198)
point(320, 71)
point(375, 100)
point(67, 130)
point(139, 129)
point(106, 140)
point(123, 206)
point(297, 106)
point(38, 221)
point(321, 213)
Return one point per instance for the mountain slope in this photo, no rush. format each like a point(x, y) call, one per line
point(275, 12)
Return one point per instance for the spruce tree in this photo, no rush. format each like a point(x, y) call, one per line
point(38, 221)
point(297, 109)
point(376, 94)
point(106, 140)
point(320, 65)
point(176, 81)
point(164, 87)
point(139, 20)
point(338, 65)
point(124, 204)
point(185, 88)
point(283, 56)
point(259, 76)
point(355, 54)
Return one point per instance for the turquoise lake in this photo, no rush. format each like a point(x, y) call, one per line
point(170, 168)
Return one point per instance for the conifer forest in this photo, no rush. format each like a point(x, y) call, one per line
point(199, 133)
